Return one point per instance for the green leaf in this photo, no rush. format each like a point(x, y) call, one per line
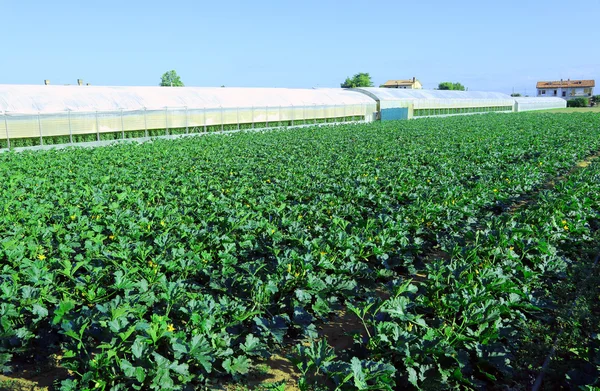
point(128, 369)
point(239, 365)
point(358, 374)
point(138, 348)
point(63, 308)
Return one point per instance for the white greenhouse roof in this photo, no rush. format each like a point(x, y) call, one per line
point(28, 99)
point(382, 94)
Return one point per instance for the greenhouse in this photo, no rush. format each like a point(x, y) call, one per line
point(37, 115)
point(534, 103)
point(404, 104)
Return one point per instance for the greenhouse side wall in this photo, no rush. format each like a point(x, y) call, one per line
point(538, 103)
point(69, 127)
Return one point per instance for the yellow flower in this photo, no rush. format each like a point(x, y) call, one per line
point(410, 326)
point(495, 190)
point(41, 257)
point(112, 237)
point(566, 228)
point(272, 231)
point(511, 248)
point(162, 223)
point(299, 217)
point(170, 328)
point(268, 181)
point(296, 274)
point(564, 222)
point(323, 253)
point(289, 267)
point(73, 217)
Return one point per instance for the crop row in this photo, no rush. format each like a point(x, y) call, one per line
point(520, 287)
point(176, 263)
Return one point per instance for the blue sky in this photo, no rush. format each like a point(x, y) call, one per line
point(495, 46)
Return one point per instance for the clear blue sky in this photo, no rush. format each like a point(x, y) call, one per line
point(485, 45)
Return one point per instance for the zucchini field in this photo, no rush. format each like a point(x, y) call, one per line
point(432, 254)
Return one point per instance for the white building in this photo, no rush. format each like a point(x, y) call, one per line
point(566, 89)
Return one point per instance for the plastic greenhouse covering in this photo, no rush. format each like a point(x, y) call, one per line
point(535, 103)
point(440, 99)
point(49, 111)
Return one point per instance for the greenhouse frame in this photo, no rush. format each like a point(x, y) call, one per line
point(45, 116)
point(405, 104)
point(66, 114)
point(535, 103)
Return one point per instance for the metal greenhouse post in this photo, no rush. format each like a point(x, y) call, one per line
point(122, 127)
point(70, 128)
point(315, 116)
point(187, 130)
point(293, 115)
point(252, 117)
point(166, 121)
point(267, 116)
point(205, 120)
point(222, 128)
point(237, 114)
point(279, 116)
point(6, 127)
point(40, 127)
point(97, 128)
point(145, 124)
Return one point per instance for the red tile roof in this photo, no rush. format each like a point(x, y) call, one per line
point(566, 84)
point(408, 82)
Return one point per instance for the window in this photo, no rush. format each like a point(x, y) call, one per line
point(543, 92)
point(555, 92)
point(564, 93)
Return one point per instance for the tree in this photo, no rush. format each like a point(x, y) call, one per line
point(515, 94)
point(171, 79)
point(447, 85)
point(358, 80)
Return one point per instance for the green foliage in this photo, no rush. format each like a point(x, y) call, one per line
point(515, 94)
point(578, 102)
point(358, 80)
point(447, 85)
point(170, 79)
point(147, 272)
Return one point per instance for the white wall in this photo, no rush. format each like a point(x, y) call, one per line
point(568, 92)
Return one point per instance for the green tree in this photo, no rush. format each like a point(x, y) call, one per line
point(358, 80)
point(447, 85)
point(170, 79)
point(515, 94)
